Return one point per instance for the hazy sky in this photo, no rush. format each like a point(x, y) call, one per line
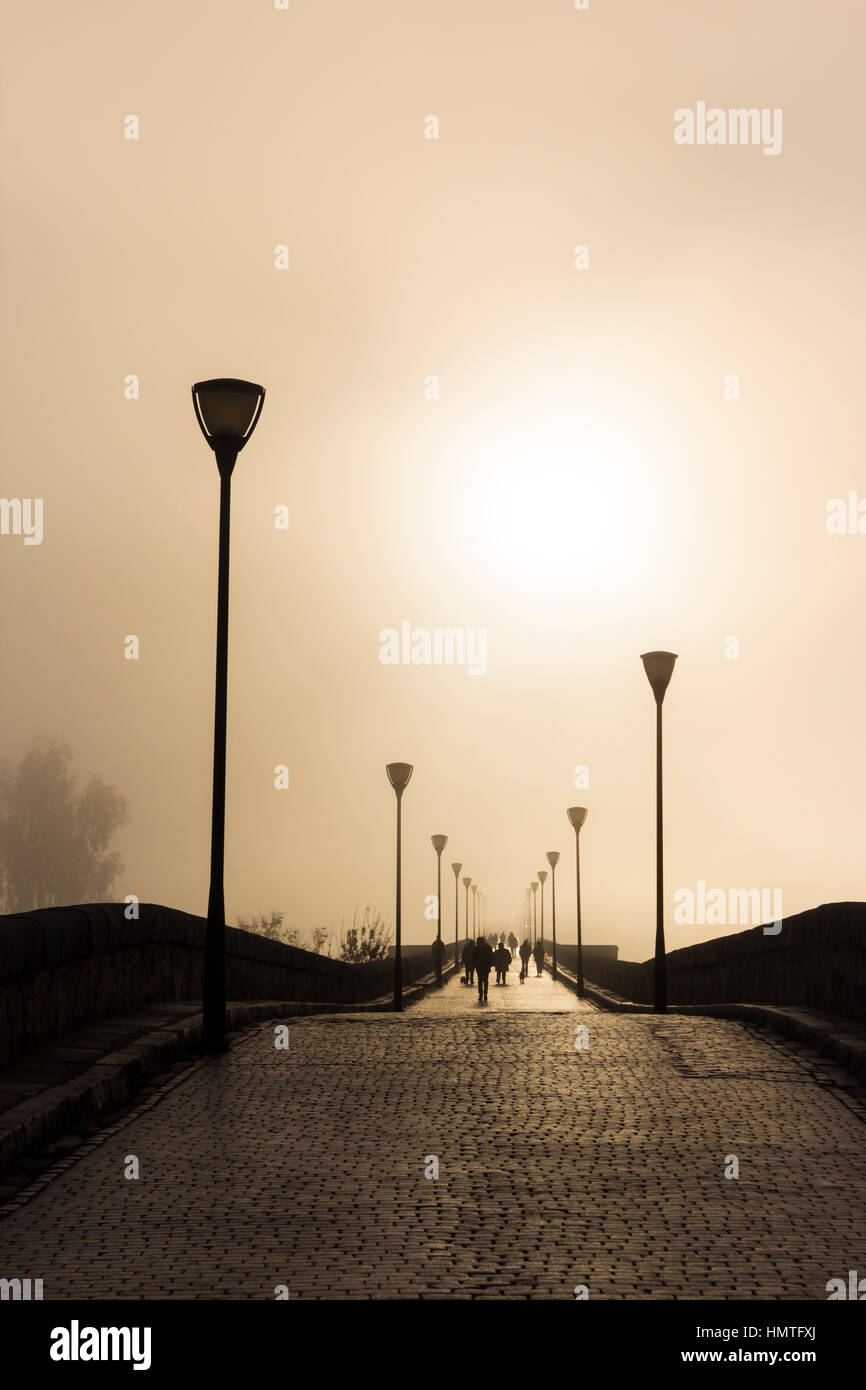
point(582, 490)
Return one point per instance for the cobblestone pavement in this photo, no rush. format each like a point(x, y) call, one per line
point(557, 1167)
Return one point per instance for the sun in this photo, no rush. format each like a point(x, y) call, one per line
point(560, 504)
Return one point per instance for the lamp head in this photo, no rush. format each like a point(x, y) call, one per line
point(467, 882)
point(542, 875)
point(457, 868)
point(659, 667)
point(439, 842)
point(398, 775)
point(534, 887)
point(228, 411)
point(577, 815)
point(553, 857)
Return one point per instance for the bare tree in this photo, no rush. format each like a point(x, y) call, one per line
point(322, 937)
point(272, 927)
point(367, 940)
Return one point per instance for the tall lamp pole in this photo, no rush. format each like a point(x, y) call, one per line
point(474, 911)
point(228, 411)
point(659, 667)
point(553, 860)
point(534, 887)
point(577, 816)
point(456, 868)
point(439, 842)
point(398, 776)
point(542, 878)
point(467, 884)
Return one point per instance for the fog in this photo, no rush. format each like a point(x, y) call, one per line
point(472, 432)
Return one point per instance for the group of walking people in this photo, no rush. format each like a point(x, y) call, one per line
point(479, 958)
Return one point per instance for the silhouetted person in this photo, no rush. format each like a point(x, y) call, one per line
point(538, 953)
point(512, 943)
point(483, 962)
point(525, 953)
point(469, 961)
point(438, 950)
point(502, 960)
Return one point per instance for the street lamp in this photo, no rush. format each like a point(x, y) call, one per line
point(542, 878)
point(474, 907)
point(398, 776)
point(227, 411)
point(577, 815)
point(467, 883)
point(534, 887)
point(553, 860)
point(456, 868)
point(439, 842)
point(659, 667)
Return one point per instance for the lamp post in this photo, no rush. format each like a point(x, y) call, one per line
point(398, 776)
point(553, 860)
point(474, 910)
point(439, 842)
point(577, 815)
point(534, 887)
point(659, 667)
point(542, 878)
point(467, 884)
point(456, 868)
point(227, 411)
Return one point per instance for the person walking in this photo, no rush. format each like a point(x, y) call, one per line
point(483, 962)
point(469, 962)
point(438, 951)
point(538, 953)
point(502, 960)
point(525, 953)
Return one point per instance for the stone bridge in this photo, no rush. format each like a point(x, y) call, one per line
point(536, 1146)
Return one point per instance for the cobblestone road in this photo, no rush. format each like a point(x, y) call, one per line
point(558, 1167)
